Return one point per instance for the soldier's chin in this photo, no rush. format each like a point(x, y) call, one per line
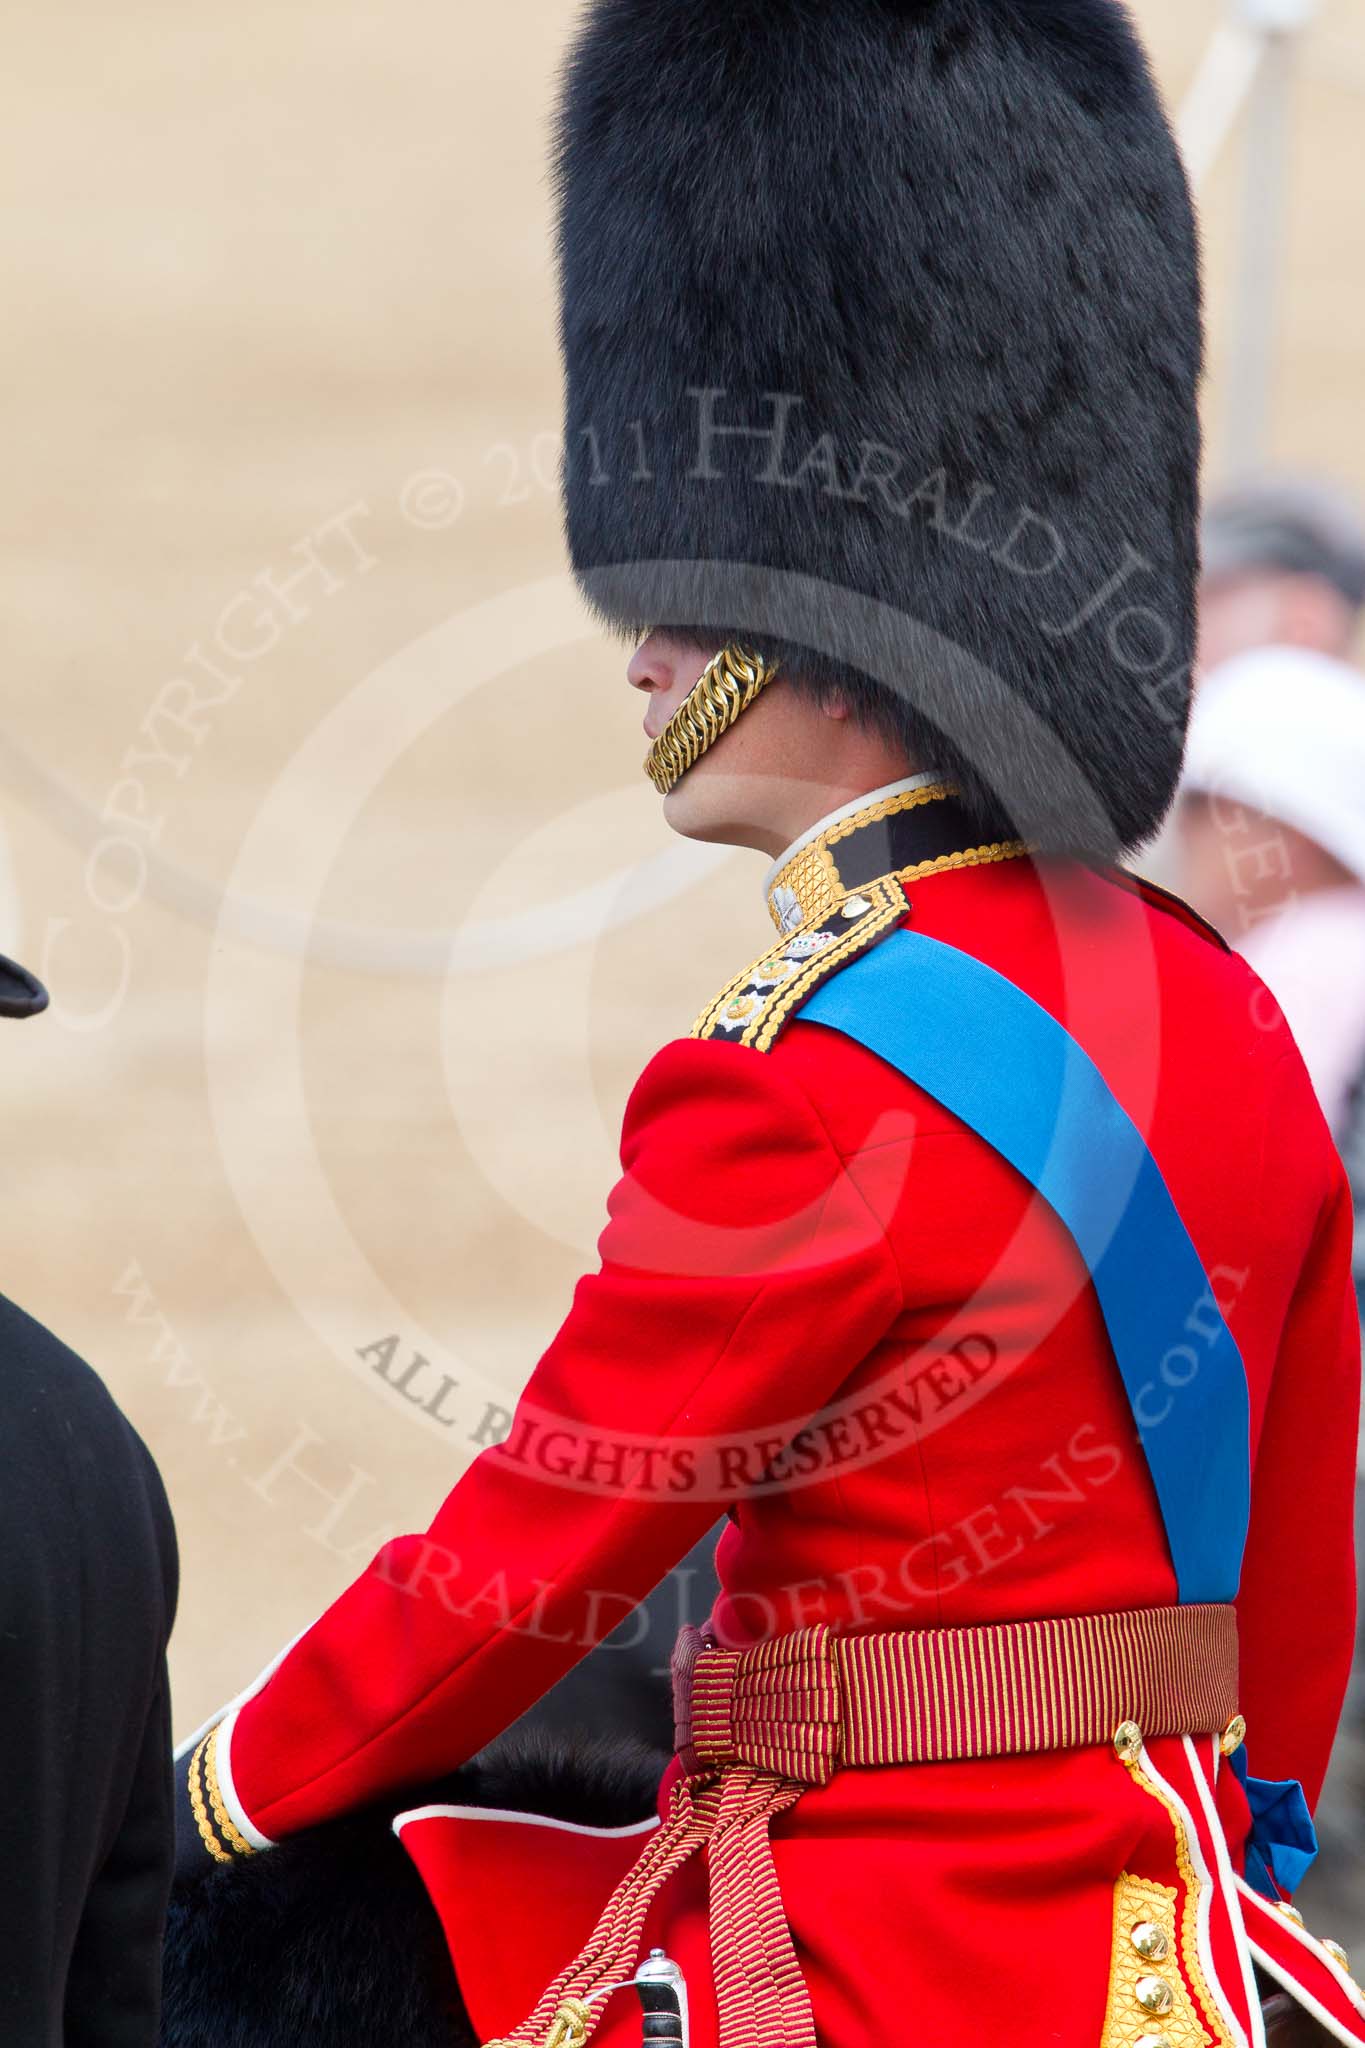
point(721, 809)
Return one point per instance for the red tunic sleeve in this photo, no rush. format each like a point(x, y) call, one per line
point(1296, 1607)
point(733, 1228)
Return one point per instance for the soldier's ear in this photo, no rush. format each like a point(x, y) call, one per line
point(835, 703)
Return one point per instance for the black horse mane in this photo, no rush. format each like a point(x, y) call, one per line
point(329, 1941)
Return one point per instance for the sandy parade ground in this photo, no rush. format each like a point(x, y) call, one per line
point(324, 815)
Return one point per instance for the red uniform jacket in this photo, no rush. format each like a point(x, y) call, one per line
point(825, 1304)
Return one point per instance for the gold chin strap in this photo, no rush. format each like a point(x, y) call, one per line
point(725, 687)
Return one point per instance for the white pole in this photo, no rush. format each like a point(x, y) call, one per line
point(1215, 96)
point(1253, 328)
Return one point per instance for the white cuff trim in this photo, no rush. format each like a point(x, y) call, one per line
point(237, 1814)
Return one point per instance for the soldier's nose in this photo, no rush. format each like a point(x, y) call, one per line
point(650, 667)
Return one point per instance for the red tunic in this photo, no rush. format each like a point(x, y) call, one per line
point(823, 1301)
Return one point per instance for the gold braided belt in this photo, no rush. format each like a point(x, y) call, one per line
point(756, 1728)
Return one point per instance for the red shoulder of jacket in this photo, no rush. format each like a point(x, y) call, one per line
point(1167, 900)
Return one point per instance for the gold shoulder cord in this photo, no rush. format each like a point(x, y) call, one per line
point(726, 687)
point(754, 1006)
point(751, 1009)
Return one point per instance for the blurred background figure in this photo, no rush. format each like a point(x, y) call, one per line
point(1268, 838)
point(1283, 566)
point(1268, 841)
point(1271, 833)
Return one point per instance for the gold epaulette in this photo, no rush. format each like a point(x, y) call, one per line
point(752, 1009)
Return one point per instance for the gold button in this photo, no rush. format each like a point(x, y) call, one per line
point(1233, 1736)
point(1153, 2041)
point(1128, 1741)
point(1149, 1941)
point(1337, 1953)
point(1154, 1994)
point(1290, 1912)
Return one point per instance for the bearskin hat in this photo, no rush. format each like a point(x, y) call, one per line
point(882, 339)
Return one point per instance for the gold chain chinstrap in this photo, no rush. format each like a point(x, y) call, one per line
point(727, 686)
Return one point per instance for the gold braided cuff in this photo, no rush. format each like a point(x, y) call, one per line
point(726, 687)
point(220, 1835)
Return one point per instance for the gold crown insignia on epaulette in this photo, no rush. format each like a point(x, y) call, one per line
point(839, 891)
point(752, 1009)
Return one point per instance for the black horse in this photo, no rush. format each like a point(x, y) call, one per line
point(330, 1941)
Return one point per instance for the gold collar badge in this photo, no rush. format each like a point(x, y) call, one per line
point(810, 884)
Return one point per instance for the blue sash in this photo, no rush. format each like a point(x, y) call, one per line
point(1015, 1076)
point(1007, 1069)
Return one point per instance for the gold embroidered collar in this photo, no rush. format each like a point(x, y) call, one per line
point(913, 829)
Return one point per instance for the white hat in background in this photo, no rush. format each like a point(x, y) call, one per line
point(1282, 730)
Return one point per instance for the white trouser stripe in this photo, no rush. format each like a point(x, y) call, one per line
point(1227, 1889)
point(1236, 2033)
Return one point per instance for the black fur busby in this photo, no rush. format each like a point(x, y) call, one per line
point(882, 338)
